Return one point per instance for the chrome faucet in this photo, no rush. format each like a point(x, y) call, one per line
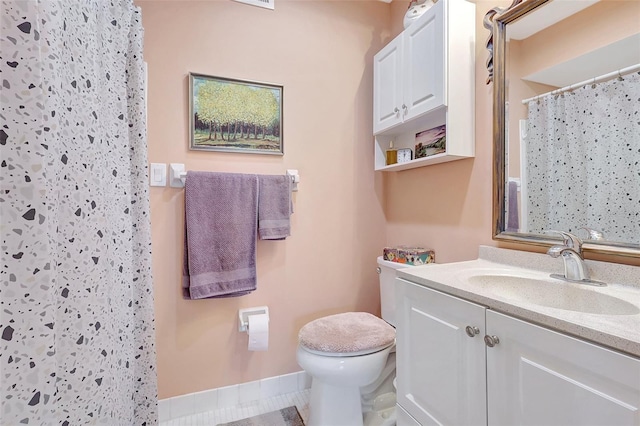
point(575, 270)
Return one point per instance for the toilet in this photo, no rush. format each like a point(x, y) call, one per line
point(346, 352)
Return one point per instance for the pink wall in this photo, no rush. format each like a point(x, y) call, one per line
point(322, 52)
point(597, 26)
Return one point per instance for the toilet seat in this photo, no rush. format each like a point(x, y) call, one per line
point(346, 354)
point(346, 335)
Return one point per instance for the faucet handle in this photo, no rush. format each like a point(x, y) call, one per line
point(570, 240)
point(594, 234)
point(556, 251)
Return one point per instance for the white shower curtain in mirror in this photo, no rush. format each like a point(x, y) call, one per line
point(583, 160)
point(76, 321)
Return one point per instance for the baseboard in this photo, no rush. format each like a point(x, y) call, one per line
point(231, 396)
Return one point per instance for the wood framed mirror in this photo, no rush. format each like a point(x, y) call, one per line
point(549, 57)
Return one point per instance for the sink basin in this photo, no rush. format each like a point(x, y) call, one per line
point(553, 294)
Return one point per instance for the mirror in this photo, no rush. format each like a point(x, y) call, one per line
point(566, 78)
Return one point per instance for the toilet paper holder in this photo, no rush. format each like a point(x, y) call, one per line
point(244, 314)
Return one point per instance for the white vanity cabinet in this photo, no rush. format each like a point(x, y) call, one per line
point(538, 376)
point(424, 78)
point(440, 369)
point(530, 376)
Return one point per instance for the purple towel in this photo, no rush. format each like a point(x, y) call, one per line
point(512, 198)
point(221, 211)
point(274, 207)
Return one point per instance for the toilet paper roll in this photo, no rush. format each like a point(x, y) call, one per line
point(258, 332)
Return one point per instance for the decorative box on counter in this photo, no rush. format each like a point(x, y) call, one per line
point(416, 255)
point(409, 255)
point(390, 254)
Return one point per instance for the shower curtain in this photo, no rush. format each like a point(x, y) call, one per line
point(76, 321)
point(583, 160)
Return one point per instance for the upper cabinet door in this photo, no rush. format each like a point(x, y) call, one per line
point(424, 63)
point(387, 76)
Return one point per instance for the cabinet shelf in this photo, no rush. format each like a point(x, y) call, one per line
point(420, 162)
point(459, 142)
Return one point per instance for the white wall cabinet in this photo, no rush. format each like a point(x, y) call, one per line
point(424, 78)
point(533, 375)
point(409, 72)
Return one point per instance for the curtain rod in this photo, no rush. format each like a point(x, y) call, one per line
point(605, 77)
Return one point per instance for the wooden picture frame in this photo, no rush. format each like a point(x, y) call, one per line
point(231, 115)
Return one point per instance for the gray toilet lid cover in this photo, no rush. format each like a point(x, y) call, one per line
point(350, 332)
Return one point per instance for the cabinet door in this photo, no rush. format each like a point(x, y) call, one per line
point(424, 53)
point(387, 86)
point(403, 418)
point(536, 376)
point(440, 369)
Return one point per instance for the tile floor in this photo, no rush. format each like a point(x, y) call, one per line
point(211, 418)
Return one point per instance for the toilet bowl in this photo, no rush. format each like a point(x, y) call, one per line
point(335, 390)
point(346, 352)
point(339, 370)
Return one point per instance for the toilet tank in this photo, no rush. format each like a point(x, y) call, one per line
point(387, 288)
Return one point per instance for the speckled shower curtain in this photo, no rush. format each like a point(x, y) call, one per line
point(583, 160)
point(76, 320)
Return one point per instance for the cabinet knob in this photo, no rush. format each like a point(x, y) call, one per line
point(472, 331)
point(378, 270)
point(491, 341)
point(404, 107)
point(396, 110)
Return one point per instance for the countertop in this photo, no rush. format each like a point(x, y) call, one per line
point(619, 331)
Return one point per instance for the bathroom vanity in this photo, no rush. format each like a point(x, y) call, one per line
point(496, 341)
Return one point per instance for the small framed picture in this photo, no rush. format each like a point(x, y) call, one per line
point(235, 116)
point(431, 142)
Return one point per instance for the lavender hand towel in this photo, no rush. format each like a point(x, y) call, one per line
point(274, 207)
point(512, 220)
point(220, 246)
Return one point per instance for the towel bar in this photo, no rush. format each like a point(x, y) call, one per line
point(178, 176)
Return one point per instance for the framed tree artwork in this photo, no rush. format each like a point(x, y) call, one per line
point(235, 116)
